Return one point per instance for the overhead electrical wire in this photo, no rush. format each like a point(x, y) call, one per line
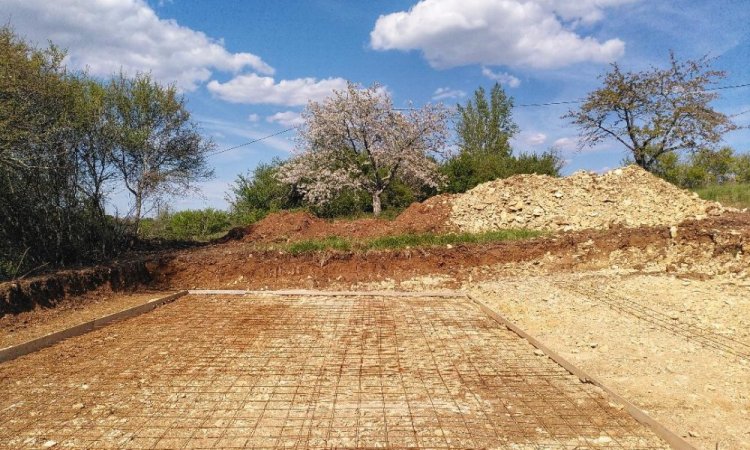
point(522, 105)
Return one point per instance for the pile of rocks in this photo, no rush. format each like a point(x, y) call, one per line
point(629, 197)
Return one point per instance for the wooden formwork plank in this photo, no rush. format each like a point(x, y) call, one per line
point(14, 351)
point(307, 292)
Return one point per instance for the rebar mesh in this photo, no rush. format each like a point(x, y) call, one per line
point(311, 372)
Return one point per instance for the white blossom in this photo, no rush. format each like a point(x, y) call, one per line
point(356, 140)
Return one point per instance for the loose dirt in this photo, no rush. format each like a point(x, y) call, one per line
point(699, 248)
point(629, 197)
point(678, 348)
point(25, 326)
point(288, 226)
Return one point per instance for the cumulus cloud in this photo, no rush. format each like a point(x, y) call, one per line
point(445, 93)
point(286, 118)
point(106, 36)
point(535, 138)
point(514, 33)
point(566, 144)
point(255, 89)
point(501, 77)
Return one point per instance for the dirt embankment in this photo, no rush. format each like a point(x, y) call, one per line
point(719, 244)
point(48, 290)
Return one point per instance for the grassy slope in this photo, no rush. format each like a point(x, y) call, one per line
point(736, 195)
point(406, 241)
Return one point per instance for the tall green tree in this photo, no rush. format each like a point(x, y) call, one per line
point(159, 149)
point(484, 129)
point(654, 112)
point(486, 126)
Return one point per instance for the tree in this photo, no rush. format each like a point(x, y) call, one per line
point(96, 140)
point(654, 112)
point(159, 150)
point(48, 216)
point(487, 127)
point(484, 129)
point(356, 140)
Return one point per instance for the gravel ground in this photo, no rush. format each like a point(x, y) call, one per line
point(679, 349)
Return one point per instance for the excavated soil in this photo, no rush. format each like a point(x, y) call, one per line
point(287, 226)
point(629, 197)
point(697, 248)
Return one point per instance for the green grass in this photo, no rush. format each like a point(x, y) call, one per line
point(406, 241)
point(736, 195)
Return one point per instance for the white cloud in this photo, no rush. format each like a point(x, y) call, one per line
point(535, 139)
point(253, 118)
point(254, 89)
point(501, 77)
point(514, 33)
point(444, 93)
point(566, 144)
point(286, 118)
point(106, 36)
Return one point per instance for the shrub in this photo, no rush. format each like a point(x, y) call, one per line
point(469, 169)
point(194, 225)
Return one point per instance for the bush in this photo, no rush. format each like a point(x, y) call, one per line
point(192, 225)
point(470, 169)
point(732, 194)
point(259, 192)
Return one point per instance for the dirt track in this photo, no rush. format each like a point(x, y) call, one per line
point(219, 372)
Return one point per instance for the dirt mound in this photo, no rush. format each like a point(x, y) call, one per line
point(430, 216)
point(287, 226)
point(629, 197)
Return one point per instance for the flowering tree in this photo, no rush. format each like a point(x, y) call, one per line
point(356, 140)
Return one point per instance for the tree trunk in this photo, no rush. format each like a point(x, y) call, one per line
point(138, 206)
point(376, 207)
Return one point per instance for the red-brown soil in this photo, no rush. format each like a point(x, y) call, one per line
point(242, 265)
point(287, 226)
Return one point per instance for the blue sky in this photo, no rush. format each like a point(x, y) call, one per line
point(248, 67)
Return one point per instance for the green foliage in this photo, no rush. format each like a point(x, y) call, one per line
point(486, 127)
point(704, 168)
point(48, 216)
point(407, 241)
point(484, 130)
point(255, 195)
point(259, 192)
point(317, 245)
point(188, 225)
point(65, 139)
point(731, 194)
point(467, 170)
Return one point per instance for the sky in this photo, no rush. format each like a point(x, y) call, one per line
point(247, 68)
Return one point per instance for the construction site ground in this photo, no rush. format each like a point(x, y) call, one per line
point(302, 372)
point(659, 313)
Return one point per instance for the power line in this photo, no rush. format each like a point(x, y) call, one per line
point(523, 105)
point(251, 142)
